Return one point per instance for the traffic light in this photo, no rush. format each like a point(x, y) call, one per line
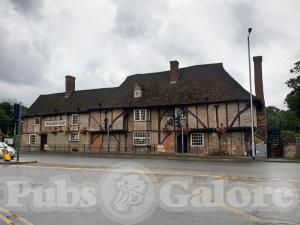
point(177, 121)
point(105, 123)
point(16, 113)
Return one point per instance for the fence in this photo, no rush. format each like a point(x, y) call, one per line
point(121, 149)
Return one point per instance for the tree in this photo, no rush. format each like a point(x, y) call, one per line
point(293, 98)
point(6, 116)
point(282, 120)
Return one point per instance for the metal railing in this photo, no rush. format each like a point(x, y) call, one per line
point(117, 149)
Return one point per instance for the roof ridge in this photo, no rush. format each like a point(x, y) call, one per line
point(180, 68)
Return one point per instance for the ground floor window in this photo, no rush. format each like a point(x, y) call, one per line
point(32, 139)
point(197, 139)
point(141, 138)
point(74, 136)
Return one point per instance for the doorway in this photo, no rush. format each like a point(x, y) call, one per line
point(179, 143)
point(43, 141)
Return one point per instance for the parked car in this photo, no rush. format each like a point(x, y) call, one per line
point(10, 150)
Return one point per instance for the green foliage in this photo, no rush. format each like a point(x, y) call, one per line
point(297, 157)
point(6, 114)
point(285, 134)
point(282, 120)
point(293, 98)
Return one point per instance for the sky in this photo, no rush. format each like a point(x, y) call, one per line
point(103, 41)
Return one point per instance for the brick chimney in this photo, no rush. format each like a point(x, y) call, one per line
point(259, 91)
point(258, 80)
point(70, 85)
point(174, 71)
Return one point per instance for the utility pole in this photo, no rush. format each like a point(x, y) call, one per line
point(251, 102)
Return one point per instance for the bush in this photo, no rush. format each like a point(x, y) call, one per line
point(287, 134)
point(297, 157)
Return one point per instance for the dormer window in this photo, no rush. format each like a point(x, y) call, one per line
point(137, 93)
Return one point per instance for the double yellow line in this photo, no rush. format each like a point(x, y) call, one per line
point(7, 219)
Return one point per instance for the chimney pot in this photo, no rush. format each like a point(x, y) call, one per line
point(174, 71)
point(70, 85)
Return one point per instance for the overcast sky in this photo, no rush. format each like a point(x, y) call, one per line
point(102, 42)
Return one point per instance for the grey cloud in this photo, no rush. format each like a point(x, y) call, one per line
point(136, 18)
point(20, 62)
point(244, 14)
point(27, 6)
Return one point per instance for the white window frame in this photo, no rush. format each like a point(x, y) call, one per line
point(137, 114)
point(196, 136)
point(72, 119)
point(141, 138)
point(37, 119)
point(29, 139)
point(74, 140)
point(137, 93)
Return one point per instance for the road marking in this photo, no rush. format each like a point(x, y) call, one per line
point(241, 213)
point(13, 214)
point(6, 220)
point(165, 172)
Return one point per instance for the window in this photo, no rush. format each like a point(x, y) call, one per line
point(141, 138)
point(36, 120)
point(141, 115)
point(197, 139)
point(75, 119)
point(32, 139)
point(137, 93)
point(74, 136)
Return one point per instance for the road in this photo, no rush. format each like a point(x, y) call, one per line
point(193, 197)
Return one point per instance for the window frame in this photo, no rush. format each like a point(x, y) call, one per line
point(72, 120)
point(35, 139)
point(201, 139)
point(137, 93)
point(137, 115)
point(70, 136)
point(37, 119)
point(144, 136)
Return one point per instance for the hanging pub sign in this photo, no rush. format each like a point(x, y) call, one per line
point(55, 123)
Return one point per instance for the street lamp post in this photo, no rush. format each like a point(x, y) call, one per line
point(251, 102)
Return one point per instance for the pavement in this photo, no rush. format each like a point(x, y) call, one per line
point(81, 171)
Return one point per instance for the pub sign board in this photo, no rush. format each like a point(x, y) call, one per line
point(55, 123)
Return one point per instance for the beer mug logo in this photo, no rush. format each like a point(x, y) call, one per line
point(130, 191)
point(127, 193)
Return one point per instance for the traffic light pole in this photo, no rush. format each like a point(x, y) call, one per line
point(19, 138)
point(182, 145)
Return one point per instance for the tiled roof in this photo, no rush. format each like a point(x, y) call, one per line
point(196, 84)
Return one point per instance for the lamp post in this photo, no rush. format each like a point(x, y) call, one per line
point(251, 102)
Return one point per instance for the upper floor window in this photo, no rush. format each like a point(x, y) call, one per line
point(75, 119)
point(141, 115)
point(197, 139)
point(37, 120)
point(32, 139)
point(137, 93)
